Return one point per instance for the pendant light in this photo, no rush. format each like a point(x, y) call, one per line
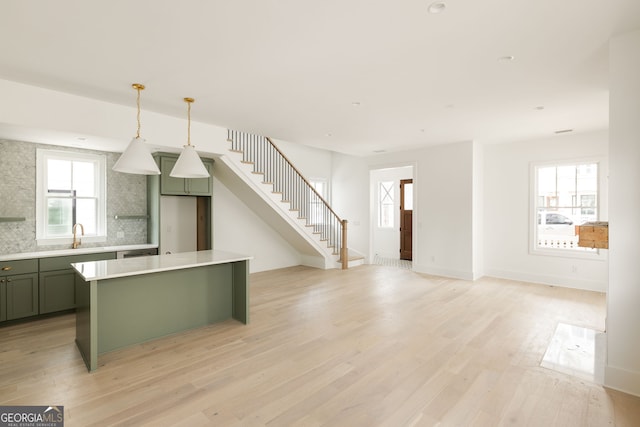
point(137, 158)
point(189, 164)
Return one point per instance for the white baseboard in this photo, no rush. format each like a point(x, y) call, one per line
point(622, 380)
point(600, 357)
point(313, 261)
point(565, 282)
point(444, 272)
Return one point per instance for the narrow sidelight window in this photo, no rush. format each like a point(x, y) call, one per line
point(385, 204)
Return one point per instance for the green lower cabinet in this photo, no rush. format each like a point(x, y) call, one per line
point(57, 280)
point(57, 291)
point(3, 300)
point(22, 295)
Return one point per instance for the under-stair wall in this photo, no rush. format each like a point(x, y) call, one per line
point(269, 173)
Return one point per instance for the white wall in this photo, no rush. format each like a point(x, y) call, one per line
point(506, 211)
point(311, 162)
point(478, 267)
point(443, 206)
point(111, 125)
point(237, 228)
point(386, 241)
point(350, 198)
point(623, 316)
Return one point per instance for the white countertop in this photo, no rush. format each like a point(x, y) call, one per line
point(78, 251)
point(110, 269)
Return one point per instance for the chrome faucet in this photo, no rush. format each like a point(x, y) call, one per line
point(77, 241)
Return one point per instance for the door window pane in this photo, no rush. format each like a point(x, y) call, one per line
point(408, 196)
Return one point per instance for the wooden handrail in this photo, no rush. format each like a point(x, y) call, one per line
point(303, 178)
point(289, 181)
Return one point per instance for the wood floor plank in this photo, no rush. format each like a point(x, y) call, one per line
point(369, 346)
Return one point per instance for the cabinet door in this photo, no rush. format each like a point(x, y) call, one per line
point(3, 299)
point(202, 186)
point(22, 296)
point(57, 291)
point(184, 186)
point(168, 184)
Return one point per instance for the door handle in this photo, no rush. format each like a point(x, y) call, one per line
point(7, 268)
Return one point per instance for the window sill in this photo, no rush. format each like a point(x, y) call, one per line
point(597, 255)
point(69, 240)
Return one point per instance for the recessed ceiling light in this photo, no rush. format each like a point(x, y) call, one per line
point(355, 103)
point(507, 58)
point(328, 135)
point(539, 107)
point(437, 7)
point(379, 151)
point(564, 131)
point(81, 138)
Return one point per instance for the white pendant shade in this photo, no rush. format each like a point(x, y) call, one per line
point(137, 159)
point(189, 165)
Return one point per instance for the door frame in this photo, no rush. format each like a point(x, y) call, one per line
point(373, 215)
point(404, 182)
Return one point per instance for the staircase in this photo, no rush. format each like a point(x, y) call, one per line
point(269, 172)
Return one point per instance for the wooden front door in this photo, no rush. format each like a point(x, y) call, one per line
point(406, 219)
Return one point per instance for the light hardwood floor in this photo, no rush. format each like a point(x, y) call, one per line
point(371, 346)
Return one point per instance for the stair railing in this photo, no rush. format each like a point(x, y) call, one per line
point(268, 160)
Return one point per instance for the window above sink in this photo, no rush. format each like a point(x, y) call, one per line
point(70, 189)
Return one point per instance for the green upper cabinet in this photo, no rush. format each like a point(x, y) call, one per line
point(183, 186)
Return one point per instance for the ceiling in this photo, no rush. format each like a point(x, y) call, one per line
point(353, 76)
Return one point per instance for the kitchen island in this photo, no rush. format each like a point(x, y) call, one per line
point(128, 301)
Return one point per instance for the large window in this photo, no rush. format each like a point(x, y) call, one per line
point(385, 204)
point(565, 196)
point(70, 190)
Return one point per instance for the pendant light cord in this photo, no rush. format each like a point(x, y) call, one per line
point(138, 116)
point(189, 123)
point(189, 101)
point(138, 87)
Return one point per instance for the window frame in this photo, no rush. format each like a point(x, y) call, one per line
point(601, 210)
point(314, 203)
point(100, 177)
point(394, 203)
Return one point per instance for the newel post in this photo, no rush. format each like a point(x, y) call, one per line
point(344, 251)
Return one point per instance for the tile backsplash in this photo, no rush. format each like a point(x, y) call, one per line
point(126, 196)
